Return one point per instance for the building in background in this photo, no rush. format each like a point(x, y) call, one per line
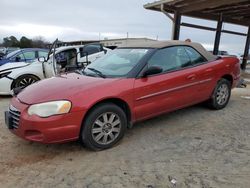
point(110, 43)
point(123, 42)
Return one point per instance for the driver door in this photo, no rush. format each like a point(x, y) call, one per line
point(172, 89)
point(48, 67)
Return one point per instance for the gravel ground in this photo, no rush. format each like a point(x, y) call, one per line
point(193, 147)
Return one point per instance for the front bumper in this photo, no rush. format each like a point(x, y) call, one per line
point(5, 85)
point(54, 129)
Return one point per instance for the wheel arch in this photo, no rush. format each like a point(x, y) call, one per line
point(117, 101)
point(228, 77)
point(26, 74)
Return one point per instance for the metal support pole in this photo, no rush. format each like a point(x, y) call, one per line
point(218, 35)
point(176, 26)
point(246, 52)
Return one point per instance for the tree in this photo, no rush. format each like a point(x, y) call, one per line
point(25, 42)
point(39, 42)
point(10, 42)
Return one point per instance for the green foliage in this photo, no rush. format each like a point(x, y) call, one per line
point(10, 42)
point(39, 42)
point(24, 42)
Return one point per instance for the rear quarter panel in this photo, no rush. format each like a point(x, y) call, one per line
point(228, 66)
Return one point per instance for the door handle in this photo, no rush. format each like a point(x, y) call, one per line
point(191, 77)
point(209, 70)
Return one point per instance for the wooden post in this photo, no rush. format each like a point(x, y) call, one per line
point(218, 36)
point(176, 26)
point(246, 52)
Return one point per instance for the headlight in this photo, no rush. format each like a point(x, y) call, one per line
point(50, 108)
point(4, 74)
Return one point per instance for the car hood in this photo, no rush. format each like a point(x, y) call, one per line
point(10, 66)
point(60, 87)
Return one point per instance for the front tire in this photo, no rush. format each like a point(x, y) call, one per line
point(24, 81)
point(221, 95)
point(103, 127)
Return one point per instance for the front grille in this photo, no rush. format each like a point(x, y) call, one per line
point(15, 117)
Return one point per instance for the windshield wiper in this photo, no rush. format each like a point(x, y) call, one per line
point(79, 72)
point(99, 73)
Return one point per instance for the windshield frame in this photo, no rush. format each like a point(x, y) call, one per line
point(11, 54)
point(137, 68)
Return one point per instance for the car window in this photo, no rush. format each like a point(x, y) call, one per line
point(20, 57)
point(12, 54)
point(42, 54)
point(171, 58)
point(29, 55)
point(89, 49)
point(195, 56)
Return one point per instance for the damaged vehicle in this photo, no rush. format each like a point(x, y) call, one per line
point(58, 60)
point(97, 105)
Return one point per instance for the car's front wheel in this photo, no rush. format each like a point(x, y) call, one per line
point(221, 95)
point(103, 127)
point(24, 81)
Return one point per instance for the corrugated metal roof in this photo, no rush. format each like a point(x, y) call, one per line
point(233, 11)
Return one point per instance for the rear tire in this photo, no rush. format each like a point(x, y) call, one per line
point(103, 127)
point(221, 95)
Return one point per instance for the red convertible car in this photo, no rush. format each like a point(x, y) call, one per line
point(98, 104)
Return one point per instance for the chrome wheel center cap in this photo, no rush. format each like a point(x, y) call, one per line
point(107, 128)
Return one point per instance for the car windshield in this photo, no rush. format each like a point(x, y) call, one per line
point(11, 53)
point(117, 63)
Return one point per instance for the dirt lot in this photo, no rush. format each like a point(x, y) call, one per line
point(196, 147)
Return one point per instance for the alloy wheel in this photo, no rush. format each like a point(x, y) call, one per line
point(106, 128)
point(222, 94)
point(25, 82)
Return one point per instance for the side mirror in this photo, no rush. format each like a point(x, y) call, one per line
point(41, 59)
point(152, 70)
point(17, 59)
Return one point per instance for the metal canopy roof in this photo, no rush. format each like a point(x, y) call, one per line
point(232, 11)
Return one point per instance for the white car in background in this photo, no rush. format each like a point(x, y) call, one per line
point(60, 60)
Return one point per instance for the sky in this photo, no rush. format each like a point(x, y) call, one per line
point(93, 20)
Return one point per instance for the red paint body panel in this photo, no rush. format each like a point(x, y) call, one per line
point(146, 97)
point(55, 129)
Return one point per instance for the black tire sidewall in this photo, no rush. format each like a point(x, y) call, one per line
point(86, 134)
point(214, 103)
point(22, 77)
